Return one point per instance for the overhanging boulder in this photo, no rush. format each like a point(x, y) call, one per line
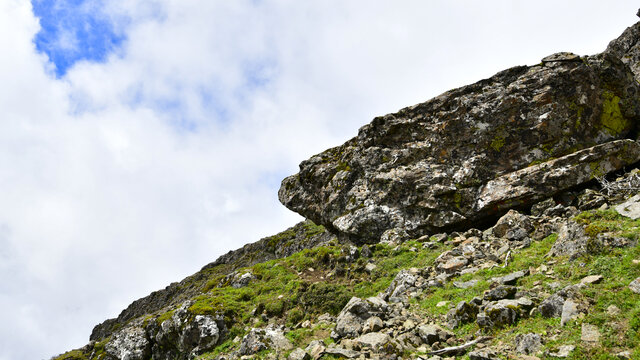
point(532, 130)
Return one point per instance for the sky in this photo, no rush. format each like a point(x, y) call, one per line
point(141, 139)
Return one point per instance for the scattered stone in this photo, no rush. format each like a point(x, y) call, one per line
point(483, 354)
point(442, 303)
point(512, 279)
point(572, 241)
point(634, 286)
point(464, 312)
point(299, 354)
point(501, 292)
point(365, 251)
point(349, 354)
point(353, 316)
point(512, 221)
point(624, 354)
point(316, 348)
point(370, 267)
point(590, 334)
point(569, 312)
point(465, 284)
point(552, 306)
point(592, 279)
point(613, 310)
point(242, 280)
point(454, 264)
point(498, 314)
point(630, 208)
point(563, 351)
point(528, 343)
point(376, 341)
point(373, 324)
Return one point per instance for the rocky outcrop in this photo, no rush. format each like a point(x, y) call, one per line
point(472, 153)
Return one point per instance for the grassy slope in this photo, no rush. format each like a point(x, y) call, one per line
point(311, 282)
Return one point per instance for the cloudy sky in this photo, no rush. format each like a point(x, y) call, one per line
point(141, 139)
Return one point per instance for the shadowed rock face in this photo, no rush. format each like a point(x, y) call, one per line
point(436, 165)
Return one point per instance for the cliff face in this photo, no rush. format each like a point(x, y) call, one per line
point(468, 224)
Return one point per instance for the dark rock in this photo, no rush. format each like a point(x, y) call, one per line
point(512, 221)
point(552, 306)
point(464, 312)
point(366, 251)
point(501, 292)
point(512, 279)
point(539, 208)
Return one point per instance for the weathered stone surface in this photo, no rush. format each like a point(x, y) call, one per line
point(129, 344)
point(299, 354)
point(627, 48)
point(590, 334)
point(501, 292)
point(528, 343)
point(264, 338)
point(376, 341)
point(409, 170)
point(352, 318)
point(563, 351)
point(630, 208)
point(483, 354)
point(572, 241)
point(569, 312)
point(634, 286)
point(464, 312)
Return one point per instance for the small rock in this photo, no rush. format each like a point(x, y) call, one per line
point(442, 303)
point(630, 208)
point(624, 355)
point(590, 334)
point(299, 354)
point(635, 286)
point(370, 267)
point(635, 262)
point(592, 279)
point(349, 354)
point(563, 351)
point(501, 292)
point(365, 251)
point(483, 354)
point(375, 341)
point(512, 278)
point(552, 306)
point(454, 264)
point(465, 284)
point(613, 310)
point(528, 343)
point(373, 324)
point(569, 312)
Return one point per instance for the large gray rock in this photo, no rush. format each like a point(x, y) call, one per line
point(630, 208)
point(529, 132)
point(572, 241)
point(129, 344)
point(264, 338)
point(528, 343)
point(352, 319)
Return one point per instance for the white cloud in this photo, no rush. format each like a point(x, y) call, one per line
point(127, 175)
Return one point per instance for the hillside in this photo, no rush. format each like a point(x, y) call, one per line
point(498, 220)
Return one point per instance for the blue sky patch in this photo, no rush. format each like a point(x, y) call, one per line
point(74, 30)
